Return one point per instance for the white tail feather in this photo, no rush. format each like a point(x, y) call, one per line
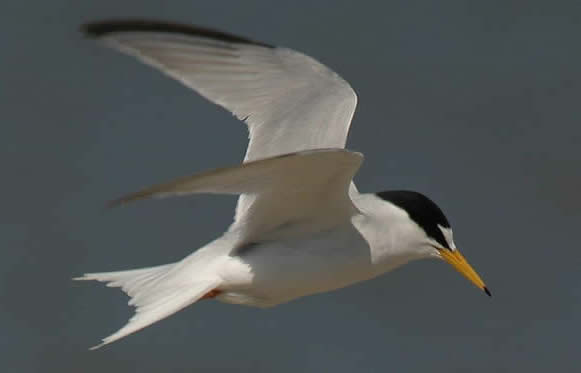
point(154, 293)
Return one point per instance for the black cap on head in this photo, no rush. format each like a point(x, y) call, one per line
point(422, 210)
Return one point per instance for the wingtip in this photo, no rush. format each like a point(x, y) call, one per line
point(96, 29)
point(139, 195)
point(99, 29)
point(96, 347)
point(93, 30)
point(118, 202)
point(114, 203)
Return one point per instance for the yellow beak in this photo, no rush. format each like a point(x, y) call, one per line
point(457, 260)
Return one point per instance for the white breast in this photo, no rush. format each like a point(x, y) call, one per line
point(303, 260)
point(275, 272)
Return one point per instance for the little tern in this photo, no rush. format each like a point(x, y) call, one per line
point(301, 227)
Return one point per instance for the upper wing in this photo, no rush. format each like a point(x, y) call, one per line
point(309, 186)
point(290, 101)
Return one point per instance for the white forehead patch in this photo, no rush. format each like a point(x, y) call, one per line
point(449, 236)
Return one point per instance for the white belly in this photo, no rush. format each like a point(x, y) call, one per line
point(270, 273)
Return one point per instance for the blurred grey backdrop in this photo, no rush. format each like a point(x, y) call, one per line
point(475, 104)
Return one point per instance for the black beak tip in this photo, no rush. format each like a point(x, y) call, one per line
point(487, 291)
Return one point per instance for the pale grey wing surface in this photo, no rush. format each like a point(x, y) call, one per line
point(289, 101)
point(310, 186)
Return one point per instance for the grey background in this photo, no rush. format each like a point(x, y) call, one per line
point(475, 104)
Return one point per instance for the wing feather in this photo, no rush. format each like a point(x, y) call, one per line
point(289, 101)
point(306, 186)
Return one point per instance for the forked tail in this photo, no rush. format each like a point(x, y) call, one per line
point(156, 292)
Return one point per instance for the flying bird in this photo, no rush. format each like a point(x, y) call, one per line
point(301, 227)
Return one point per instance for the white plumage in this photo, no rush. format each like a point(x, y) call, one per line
point(301, 227)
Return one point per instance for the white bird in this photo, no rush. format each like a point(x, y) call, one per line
point(300, 227)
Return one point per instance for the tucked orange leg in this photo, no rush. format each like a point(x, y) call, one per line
point(212, 294)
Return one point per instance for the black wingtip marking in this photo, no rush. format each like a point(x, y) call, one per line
point(102, 28)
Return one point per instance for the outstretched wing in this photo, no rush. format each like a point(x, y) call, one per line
point(310, 186)
point(289, 101)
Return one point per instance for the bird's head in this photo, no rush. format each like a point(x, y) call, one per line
point(429, 233)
